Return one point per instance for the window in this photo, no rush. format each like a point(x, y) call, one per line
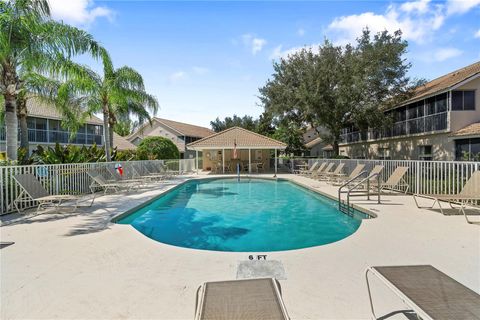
point(463, 100)
point(441, 103)
point(467, 149)
point(425, 153)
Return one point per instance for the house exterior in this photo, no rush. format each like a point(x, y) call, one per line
point(440, 122)
point(237, 149)
point(44, 128)
point(180, 133)
point(315, 145)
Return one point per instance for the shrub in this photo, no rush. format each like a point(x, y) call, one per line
point(125, 155)
point(152, 148)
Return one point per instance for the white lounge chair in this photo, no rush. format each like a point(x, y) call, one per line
point(32, 189)
point(320, 173)
point(98, 181)
point(308, 171)
point(250, 299)
point(469, 193)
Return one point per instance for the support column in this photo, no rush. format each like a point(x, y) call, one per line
point(223, 161)
point(196, 159)
point(275, 162)
point(249, 161)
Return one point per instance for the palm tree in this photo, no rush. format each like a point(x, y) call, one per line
point(29, 39)
point(118, 92)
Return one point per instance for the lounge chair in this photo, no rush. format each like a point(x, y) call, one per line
point(250, 299)
point(394, 181)
point(98, 181)
point(469, 193)
point(33, 190)
point(308, 171)
point(318, 170)
point(430, 293)
point(320, 173)
point(116, 177)
point(331, 175)
point(341, 178)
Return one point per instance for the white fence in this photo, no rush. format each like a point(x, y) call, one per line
point(425, 177)
point(70, 178)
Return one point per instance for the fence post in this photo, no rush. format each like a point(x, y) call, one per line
point(417, 177)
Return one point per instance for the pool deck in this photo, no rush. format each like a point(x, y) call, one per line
point(82, 266)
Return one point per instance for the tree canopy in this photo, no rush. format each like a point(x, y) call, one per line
point(152, 148)
point(339, 86)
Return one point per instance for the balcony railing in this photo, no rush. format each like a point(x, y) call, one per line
point(436, 122)
point(62, 137)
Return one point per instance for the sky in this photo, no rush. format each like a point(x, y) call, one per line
point(204, 60)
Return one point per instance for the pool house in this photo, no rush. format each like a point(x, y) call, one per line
point(237, 148)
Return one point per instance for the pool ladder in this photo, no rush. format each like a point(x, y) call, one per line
point(352, 189)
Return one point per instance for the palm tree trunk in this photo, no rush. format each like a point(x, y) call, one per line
point(106, 135)
point(11, 126)
point(112, 120)
point(22, 118)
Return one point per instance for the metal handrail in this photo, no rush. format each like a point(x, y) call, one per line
point(361, 182)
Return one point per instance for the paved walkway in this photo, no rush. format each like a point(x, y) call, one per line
point(82, 266)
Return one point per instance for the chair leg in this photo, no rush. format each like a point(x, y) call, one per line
point(370, 294)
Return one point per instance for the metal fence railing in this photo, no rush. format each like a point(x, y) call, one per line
point(70, 178)
point(424, 177)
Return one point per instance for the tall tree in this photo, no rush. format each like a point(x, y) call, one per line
point(340, 86)
point(116, 91)
point(246, 122)
point(29, 38)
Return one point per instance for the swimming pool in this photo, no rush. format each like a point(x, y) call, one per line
point(243, 216)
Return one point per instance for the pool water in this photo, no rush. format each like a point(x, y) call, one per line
point(250, 215)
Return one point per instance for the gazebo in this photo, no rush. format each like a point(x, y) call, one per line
point(237, 149)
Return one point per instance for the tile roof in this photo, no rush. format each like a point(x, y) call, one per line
point(242, 137)
point(121, 143)
point(313, 142)
point(445, 82)
point(186, 129)
point(37, 108)
point(470, 130)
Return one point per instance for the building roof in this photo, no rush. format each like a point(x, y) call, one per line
point(121, 143)
point(313, 143)
point(186, 129)
point(242, 137)
point(37, 108)
point(446, 82)
point(472, 130)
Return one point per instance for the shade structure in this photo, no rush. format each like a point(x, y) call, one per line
point(218, 149)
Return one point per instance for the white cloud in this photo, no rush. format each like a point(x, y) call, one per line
point(420, 6)
point(301, 32)
point(200, 70)
point(177, 77)
point(417, 20)
point(446, 53)
point(253, 43)
point(461, 6)
point(79, 12)
point(477, 34)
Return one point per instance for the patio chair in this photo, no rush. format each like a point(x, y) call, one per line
point(469, 193)
point(339, 179)
point(98, 181)
point(394, 181)
point(116, 177)
point(250, 299)
point(318, 171)
point(328, 169)
point(331, 175)
point(308, 171)
point(33, 190)
point(430, 293)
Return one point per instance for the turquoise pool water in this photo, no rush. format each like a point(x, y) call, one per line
point(250, 215)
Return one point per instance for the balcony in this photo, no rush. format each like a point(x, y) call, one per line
point(62, 137)
point(431, 123)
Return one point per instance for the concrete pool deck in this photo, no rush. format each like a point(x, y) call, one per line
point(82, 266)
